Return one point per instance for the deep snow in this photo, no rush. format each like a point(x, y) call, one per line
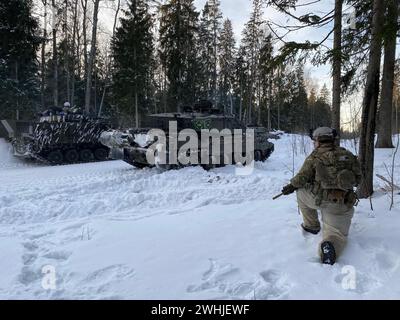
point(112, 231)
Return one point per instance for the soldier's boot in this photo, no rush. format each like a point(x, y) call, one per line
point(328, 253)
point(310, 230)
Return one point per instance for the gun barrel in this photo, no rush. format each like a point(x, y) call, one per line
point(115, 139)
point(278, 196)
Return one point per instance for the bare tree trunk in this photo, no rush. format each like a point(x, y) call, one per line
point(165, 90)
point(66, 52)
point(231, 100)
point(78, 51)
point(74, 53)
point(109, 64)
point(386, 103)
point(55, 56)
point(95, 93)
point(270, 101)
point(92, 56)
point(43, 57)
point(394, 158)
point(370, 102)
point(259, 102)
point(215, 43)
point(116, 17)
point(336, 66)
point(249, 114)
point(178, 91)
point(102, 101)
point(280, 100)
point(136, 110)
point(241, 101)
point(17, 81)
point(84, 34)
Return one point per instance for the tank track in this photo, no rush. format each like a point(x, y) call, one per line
point(43, 155)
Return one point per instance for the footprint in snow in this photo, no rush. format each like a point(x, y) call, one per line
point(387, 261)
point(110, 273)
point(74, 226)
point(58, 255)
point(29, 258)
point(30, 246)
point(223, 279)
point(29, 275)
point(99, 283)
point(41, 235)
point(273, 286)
point(229, 282)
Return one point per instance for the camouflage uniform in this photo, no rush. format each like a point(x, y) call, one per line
point(336, 205)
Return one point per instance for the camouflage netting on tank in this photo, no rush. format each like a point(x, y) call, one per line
point(48, 134)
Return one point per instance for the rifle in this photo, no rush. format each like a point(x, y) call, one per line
point(278, 196)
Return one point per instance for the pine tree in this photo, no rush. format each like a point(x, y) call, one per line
point(300, 101)
point(322, 113)
point(206, 52)
point(209, 38)
point(312, 100)
point(265, 83)
point(355, 46)
point(319, 108)
point(133, 54)
point(19, 84)
point(240, 81)
point(295, 116)
point(226, 63)
point(324, 94)
point(216, 18)
point(178, 36)
point(253, 34)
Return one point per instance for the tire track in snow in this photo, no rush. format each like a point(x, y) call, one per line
point(126, 191)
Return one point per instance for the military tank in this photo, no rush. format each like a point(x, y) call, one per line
point(59, 137)
point(133, 145)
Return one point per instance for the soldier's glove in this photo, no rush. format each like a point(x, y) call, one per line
point(288, 189)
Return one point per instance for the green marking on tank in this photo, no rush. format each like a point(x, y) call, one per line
point(200, 124)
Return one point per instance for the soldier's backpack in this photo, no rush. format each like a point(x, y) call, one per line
point(334, 169)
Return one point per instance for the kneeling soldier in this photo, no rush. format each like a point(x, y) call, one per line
point(325, 182)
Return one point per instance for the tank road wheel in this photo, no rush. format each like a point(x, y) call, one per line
point(208, 167)
point(71, 156)
point(139, 165)
point(268, 152)
point(101, 154)
point(55, 157)
point(86, 155)
point(258, 156)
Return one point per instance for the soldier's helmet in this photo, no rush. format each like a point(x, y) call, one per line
point(67, 104)
point(324, 134)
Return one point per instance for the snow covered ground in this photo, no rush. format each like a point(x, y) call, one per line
point(110, 231)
